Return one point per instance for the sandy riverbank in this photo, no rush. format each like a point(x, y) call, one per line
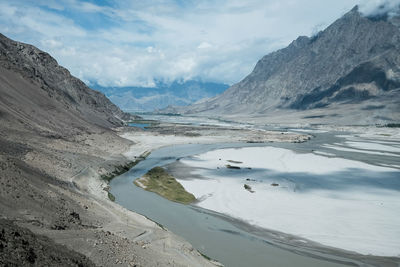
point(129, 235)
point(80, 215)
point(333, 201)
point(297, 242)
point(116, 235)
point(146, 141)
point(53, 187)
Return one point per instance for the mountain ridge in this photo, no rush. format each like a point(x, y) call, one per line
point(353, 61)
point(45, 76)
point(177, 93)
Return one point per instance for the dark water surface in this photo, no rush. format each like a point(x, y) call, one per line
point(139, 125)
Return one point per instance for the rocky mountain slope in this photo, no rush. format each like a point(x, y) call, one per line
point(49, 86)
point(57, 138)
point(354, 64)
point(177, 93)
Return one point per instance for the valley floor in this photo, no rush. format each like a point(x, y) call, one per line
point(337, 202)
point(53, 187)
point(347, 203)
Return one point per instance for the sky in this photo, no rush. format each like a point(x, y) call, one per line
point(138, 43)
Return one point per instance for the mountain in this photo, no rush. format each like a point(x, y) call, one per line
point(37, 91)
point(177, 93)
point(58, 141)
point(351, 67)
point(52, 127)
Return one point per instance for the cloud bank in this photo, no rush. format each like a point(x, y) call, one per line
point(136, 43)
point(380, 7)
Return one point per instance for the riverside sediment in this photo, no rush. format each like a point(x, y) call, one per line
point(168, 155)
point(58, 192)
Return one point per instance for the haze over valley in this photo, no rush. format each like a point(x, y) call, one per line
point(149, 99)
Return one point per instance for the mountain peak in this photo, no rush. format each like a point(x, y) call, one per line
point(355, 9)
point(354, 13)
point(354, 61)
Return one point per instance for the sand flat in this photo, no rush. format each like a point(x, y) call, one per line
point(337, 202)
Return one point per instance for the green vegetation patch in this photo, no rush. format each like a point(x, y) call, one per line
point(205, 256)
point(248, 188)
point(120, 169)
point(157, 180)
point(393, 125)
point(111, 196)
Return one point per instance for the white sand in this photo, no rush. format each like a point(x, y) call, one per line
point(324, 153)
point(379, 141)
point(278, 159)
point(347, 149)
point(373, 146)
point(390, 165)
point(308, 130)
point(369, 132)
point(149, 141)
point(352, 216)
point(196, 121)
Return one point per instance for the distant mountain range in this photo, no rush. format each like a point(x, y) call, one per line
point(348, 73)
point(144, 99)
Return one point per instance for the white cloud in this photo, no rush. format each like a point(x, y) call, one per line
point(379, 7)
point(138, 42)
point(51, 43)
point(7, 10)
point(36, 22)
point(204, 45)
point(150, 49)
point(89, 7)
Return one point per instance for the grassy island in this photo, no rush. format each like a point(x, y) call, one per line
point(157, 180)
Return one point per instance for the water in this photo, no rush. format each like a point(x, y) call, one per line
point(208, 232)
point(193, 120)
point(139, 125)
point(213, 234)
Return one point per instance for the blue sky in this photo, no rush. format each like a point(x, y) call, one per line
point(135, 43)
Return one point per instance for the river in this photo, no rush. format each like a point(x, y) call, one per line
point(216, 235)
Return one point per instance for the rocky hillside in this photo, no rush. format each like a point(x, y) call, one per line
point(35, 89)
point(51, 126)
point(20, 247)
point(355, 61)
point(58, 140)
